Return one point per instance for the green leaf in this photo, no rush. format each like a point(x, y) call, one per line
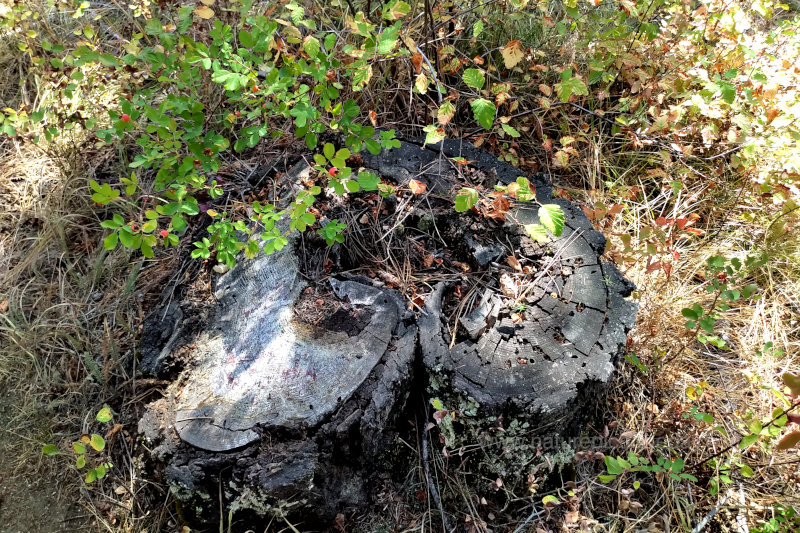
point(50, 449)
point(483, 110)
point(396, 10)
point(746, 471)
point(91, 476)
point(511, 131)
point(477, 29)
point(97, 442)
point(433, 135)
point(474, 78)
point(311, 46)
point(550, 499)
point(748, 441)
point(368, 181)
point(466, 199)
point(728, 92)
point(607, 479)
point(437, 404)
point(570, 86)
point(311, 140)
point(78, 447)
point(613, 465)
point(537, 233)
point(387, 40)
point(110, 242)
point(552, 218)
point(707, 324)
point(80, 462)
point(147, 250)
point(677, 465)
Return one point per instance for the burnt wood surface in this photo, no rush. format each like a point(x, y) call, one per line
point(288, 415)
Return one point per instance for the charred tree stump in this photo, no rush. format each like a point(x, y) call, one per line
point(288, 397)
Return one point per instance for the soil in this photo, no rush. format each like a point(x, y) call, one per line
point(29, 501)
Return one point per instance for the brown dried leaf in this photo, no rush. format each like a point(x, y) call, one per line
point(789, 441)
point(417, 187)
point(416, 60)
point(204, 12)
point(512, 53)
point(514, 263)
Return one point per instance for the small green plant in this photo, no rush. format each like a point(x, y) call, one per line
point(87, 449)
point(727, 281)
point(618, 466)
point(785, 520)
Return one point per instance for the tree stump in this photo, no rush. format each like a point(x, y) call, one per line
point(291, 396)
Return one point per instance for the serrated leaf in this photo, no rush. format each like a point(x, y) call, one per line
point(483, 110)
point(552, 217)
point(537, 233)
point(433, 134)
point(387, 40)
point(466, 199)
point(512, 53)
point(421, 83)
point(311, 46)
point(368, 181)
point(361, 77)
point(511, 131)
point(473, 78)
point(569, 86)
point(445, 113)
point(396, 10)
point(727, 91)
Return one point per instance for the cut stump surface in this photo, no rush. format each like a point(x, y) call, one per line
point(263, 384)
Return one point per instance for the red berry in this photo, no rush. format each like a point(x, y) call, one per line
point(164, 233)
point(333, 171)
point(237, 113)
point(126, 117)
point(255, 88)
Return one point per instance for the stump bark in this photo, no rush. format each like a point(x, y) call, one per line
point(294, 399)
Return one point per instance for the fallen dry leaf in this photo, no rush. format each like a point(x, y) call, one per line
point(204, 12)
point(417, 187)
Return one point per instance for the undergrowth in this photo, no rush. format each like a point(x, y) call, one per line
point(673, 124)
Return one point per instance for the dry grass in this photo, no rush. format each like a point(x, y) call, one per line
point(70, 314)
